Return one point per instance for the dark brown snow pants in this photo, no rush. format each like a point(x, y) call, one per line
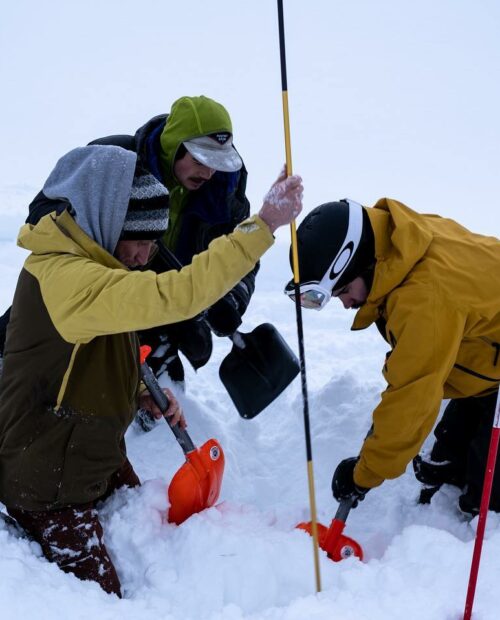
point(72, 537)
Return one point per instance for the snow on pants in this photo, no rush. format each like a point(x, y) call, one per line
point(72, 537)
point(463, 437)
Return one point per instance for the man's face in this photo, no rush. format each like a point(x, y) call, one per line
point(133, 253)
point(191, 173)
point(353, 295)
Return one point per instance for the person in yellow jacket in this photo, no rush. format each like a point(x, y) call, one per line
point(70, 381)
point(433, 289)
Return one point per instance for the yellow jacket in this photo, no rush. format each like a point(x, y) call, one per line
point(437, 289)
point(71, 373)
point(89, 293)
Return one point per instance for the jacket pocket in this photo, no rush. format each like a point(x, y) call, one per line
point(42, 462)
point(93, 453)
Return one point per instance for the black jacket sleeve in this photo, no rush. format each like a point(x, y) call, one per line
point(123, 140)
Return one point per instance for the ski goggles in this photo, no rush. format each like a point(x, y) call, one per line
point(314, 295)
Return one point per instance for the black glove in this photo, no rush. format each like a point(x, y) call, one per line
point(343, 485)
point(436, 473)
point(224, 317)
point(164, 354)
point(194, 340)
point(192, 337)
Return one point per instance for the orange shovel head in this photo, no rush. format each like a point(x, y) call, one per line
point(197, 484)
point(337, 546)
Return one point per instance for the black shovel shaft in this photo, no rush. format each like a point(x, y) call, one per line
point(237, 340)
point(344, 509)
point(160, 398)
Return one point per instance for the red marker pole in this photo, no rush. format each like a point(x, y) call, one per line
point(483, 510)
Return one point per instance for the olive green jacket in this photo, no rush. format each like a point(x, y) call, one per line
point(71, 372)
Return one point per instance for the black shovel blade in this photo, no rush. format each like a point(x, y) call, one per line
point(256, 374)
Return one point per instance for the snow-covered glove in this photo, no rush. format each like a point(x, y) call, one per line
point(283, 202)
point(343, 485)
point(224, 317)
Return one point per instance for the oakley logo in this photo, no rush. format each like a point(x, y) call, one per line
point(342, 260)
point(221, 138)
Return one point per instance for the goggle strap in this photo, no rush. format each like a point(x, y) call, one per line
point(350, 245)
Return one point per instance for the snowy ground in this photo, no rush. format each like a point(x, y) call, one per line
point(243, 559)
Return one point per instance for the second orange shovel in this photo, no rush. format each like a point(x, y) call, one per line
point(331, 539)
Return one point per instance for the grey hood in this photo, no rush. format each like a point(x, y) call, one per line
point(96, 180)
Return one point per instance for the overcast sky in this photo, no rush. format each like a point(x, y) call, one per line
point(387, 98)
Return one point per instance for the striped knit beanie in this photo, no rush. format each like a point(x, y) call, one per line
point(147, 213)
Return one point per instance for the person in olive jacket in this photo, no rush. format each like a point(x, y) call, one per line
point(433, 289)
point(191, 152)
point(71, 376)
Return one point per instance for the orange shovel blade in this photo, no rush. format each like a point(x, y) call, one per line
point(197, 484)
point(337, 546)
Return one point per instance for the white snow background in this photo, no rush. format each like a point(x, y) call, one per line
point(388, 98)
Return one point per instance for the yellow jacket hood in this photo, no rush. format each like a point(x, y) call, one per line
point(402, 238)
point(62, 235)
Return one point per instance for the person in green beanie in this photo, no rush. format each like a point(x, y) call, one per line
point(191, 151)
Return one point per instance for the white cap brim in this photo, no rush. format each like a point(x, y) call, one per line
point(222, 157)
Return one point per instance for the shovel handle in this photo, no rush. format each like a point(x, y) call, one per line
point(160, 398)
point(331, 537)
point(344, 509)
point(237, 340)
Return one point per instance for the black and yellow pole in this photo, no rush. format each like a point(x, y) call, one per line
point(298, 307)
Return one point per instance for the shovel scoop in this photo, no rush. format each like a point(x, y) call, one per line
point(259, 366)
point(197, 483)
point(257, 369)
point(331, 539)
